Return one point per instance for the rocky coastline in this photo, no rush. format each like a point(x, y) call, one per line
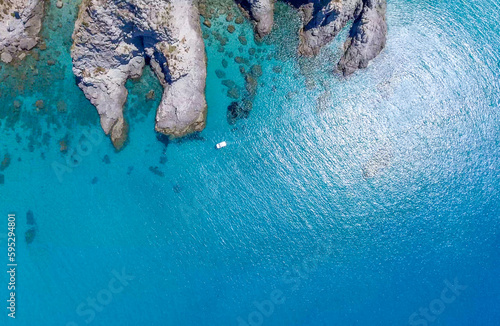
point(114, 39)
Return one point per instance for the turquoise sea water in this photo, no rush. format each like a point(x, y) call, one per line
point(281, 219)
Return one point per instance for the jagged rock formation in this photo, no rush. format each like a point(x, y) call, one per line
point(20, 23)
point(323, 22)
point(113, 39)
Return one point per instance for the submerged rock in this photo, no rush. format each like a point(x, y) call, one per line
point(30, 218)
point(233, 93)
point(229, 83)
point(5, 162)
point(377, 163)
point(220, 73)
point(242, 39)
point(237, 111)
point(2, 179)
point(156, 170)
point(256, 71)
point(39, 104)
point(111, 42)
point(30, 235)
point(63, 146)
point(150, 95)
point(239, 20)
point(61, 106)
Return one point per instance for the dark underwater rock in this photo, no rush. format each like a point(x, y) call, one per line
point(237, 111)
point(233, 93)
point(256, 71)
point(164, 139)
point(177, 189)
point(156, 170)
point(229, 83)
point(242, 39)
point(30, 235)
point(5, 162)
point(220, 74)
point(30, 218)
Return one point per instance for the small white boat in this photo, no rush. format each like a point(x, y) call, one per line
point(221, 144)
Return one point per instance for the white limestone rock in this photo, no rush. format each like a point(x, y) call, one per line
point(6, 57)
point(20, 23)
point(112, 39)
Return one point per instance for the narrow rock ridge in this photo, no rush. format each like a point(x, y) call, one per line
point(370, 30)
point(112, 41)
point(20, 23)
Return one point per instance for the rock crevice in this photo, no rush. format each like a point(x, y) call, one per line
point(113, 39)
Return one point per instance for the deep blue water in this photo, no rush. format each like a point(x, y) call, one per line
point(283, 212)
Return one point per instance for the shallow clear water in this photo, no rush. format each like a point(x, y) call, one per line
point(209, 235)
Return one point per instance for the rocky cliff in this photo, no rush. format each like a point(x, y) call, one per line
point(20, 23)
point(114, 39)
